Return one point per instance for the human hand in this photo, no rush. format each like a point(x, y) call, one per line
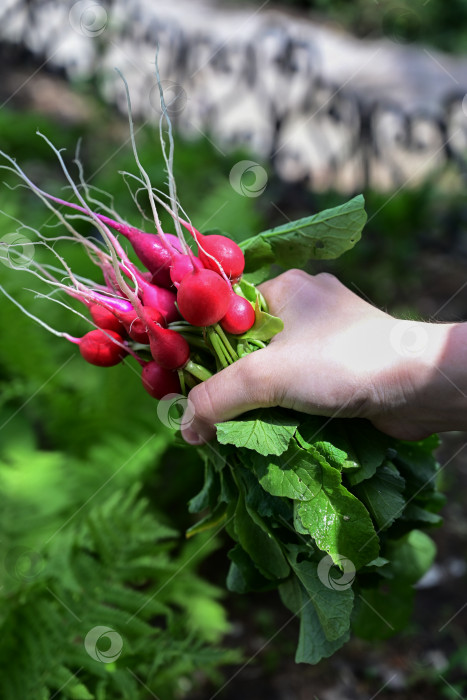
point(337, 356)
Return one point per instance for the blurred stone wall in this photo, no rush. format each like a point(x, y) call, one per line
point(322, 106)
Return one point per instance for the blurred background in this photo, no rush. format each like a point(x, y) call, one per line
point(279, 110)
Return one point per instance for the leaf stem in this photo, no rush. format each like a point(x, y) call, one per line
point(226, 342)
point(181, 377)
point(194, 340)
point(197, 371)
point(219, 348)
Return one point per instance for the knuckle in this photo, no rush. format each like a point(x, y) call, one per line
point(295, 274)
point(327, 278)
point(287, 281)
point(204, 401)
point(258, 378)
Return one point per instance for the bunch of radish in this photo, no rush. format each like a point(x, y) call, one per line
point(182, 311)
point(193, 303)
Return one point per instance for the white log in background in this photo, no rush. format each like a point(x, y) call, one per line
point(323, 106)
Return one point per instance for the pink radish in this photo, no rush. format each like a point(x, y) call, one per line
point(168, 348)
point(203, 297)
point(97, 348)
point(240, 316)
point(119, 307)
point(155, 297)
point(124, 312)
point(182, 265)
point(226, 252)
point(118, 315)
point(104, 318)
point(158, 381)
point(137, 327)
point(228, 255)
point(161, 299)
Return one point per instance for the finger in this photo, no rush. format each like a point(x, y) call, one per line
point(240, 387)
point(288, 287)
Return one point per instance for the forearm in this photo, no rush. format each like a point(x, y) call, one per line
point(426, 390)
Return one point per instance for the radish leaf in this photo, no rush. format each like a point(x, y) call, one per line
point(323, 236)
point(333, 605)
point(339, 523)
point(266, 432)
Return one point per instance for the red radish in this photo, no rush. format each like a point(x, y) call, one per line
point(226, 252)
point(118, 306)
point(151, 250)
point(161, 299)
point(99, 349)
point(120, 312)
point(240, 316)
point(169, 349)
point(158, 381)
point(137, 327)
point(182, 265)
point(153, 253)
point(155, 297)
point(104, 318)
point(203, 297)
point(223, 249)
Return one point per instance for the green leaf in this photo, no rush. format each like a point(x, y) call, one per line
point(265, 431)
point(248, 290)
point(323, 236)
point(312, 643)
point(243, 576)
point(415, 513)
point(259, 500)
point(382, 495)
point(368, 447)
point(264, 328)
point(381, 612)
point(329, 452)
point(333, 606)
point(210, 491)
point(79, 692)
point(258, 255)
point(339, 522)
point(259, 542)
point(295, 475)
point(213, 519)
point(259, 275)
point(418, 465)
point(353, 446)
point(377, 563)
point(411, 556)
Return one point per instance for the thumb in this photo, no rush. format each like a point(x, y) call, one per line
point(241, 387)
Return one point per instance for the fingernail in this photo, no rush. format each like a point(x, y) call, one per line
point(191, 436)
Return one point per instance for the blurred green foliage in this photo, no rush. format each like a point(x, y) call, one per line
point(436, 22)
point(85, 541)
